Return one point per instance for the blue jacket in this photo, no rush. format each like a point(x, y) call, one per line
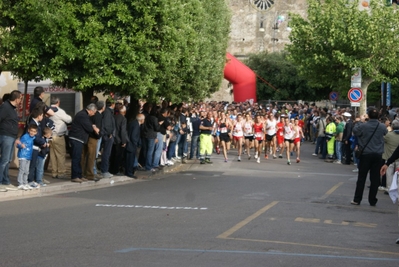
point(26, 153)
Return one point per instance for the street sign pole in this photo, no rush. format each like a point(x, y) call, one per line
point(384, 97)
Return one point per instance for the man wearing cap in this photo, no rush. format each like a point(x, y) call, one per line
point(347, 151)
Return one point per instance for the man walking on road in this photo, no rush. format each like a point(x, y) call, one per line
point(370, 136)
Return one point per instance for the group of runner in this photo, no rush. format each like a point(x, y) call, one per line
point(259, 135)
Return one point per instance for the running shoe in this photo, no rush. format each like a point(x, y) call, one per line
point(288, 162)
point(297, 160)
point(266, 156)
point(28, 187)
point(258, 160)
point(280, 156)
point(225, 160)
point(249, 157)
point(274, 156)
point(256, 155)
point(22, 187)
point(239, 158)
point(217, 150)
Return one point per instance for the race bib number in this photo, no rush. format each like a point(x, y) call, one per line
point(223, 130)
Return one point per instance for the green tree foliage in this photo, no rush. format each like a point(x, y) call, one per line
point(283, 75)
point(146, 49)
point(338, 36)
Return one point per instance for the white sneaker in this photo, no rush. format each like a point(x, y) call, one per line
point(239, 158)
point(22, 187)
point(314, 154)
point(169, 162)
point(10, 187)
point(355, 170)
point(381, 188)
point(28, 187)
point(256, 155)
point(258, 160)
point(34, 185)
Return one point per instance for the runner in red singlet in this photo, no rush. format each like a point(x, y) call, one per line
point(280, 134)
point(259, 130)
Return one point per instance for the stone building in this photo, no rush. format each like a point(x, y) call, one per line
point(257, 26)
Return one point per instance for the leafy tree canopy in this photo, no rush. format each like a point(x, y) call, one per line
point(337, 36)
point(147, 49)
point(285, 81)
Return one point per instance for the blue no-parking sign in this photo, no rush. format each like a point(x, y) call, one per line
point(333, 96)
point(355, 94)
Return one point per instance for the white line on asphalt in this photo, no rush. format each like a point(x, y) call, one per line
point(294, 173)
point(150, 207)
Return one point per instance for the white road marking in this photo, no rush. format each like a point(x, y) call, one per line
point(150, 207)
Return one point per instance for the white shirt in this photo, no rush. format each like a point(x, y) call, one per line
point(60, 119)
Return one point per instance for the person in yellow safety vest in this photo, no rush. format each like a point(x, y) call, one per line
point(330, 138)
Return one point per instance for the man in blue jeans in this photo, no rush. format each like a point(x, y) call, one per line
point(150, 130)
point(8, 136)
point(183, 146)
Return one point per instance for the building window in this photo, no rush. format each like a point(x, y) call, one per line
point(262, 5)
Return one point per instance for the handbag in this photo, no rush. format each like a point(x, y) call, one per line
point(359, 150)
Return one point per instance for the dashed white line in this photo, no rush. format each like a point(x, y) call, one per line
point(150, 207)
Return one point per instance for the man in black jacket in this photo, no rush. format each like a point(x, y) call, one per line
point(134, 136)
point(346, 138)
point(8, 135)
point(159, 146)
point(38, 95)
point(78, 136)
point(120, 140)
point(370, 136)
point(108, 134)
point(90, 148)
point(151, 127)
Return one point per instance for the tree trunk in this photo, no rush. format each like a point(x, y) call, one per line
point(133, 110)
point(87, 94)
point(363, 103)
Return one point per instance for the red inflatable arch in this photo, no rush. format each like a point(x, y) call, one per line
point(242, 78)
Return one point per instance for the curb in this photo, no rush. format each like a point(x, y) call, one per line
point(68, 187)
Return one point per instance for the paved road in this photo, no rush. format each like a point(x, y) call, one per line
point(223, 214)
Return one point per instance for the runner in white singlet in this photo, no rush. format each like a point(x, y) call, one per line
point(248, 134)
point(289, 135)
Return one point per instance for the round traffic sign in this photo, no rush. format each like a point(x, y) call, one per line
point(333, 96)
point(355, 94)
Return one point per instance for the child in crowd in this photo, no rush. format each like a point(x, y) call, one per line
point(25, 155)
point(41, 157)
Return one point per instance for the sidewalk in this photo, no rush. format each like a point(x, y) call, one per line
point(57, 186)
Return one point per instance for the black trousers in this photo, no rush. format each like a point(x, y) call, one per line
point(348, 153)
point(117, 159)
point(368, 163)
